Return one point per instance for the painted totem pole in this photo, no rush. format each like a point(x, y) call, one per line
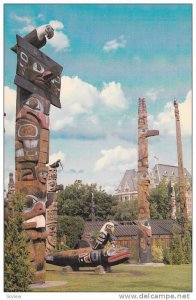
point(144, 228)
point(181, 177)
point(51, 207)
point(38, 85)
point(172, 198)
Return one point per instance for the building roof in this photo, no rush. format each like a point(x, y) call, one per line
point(168, 171)
point(159, 227)
point(128, 182)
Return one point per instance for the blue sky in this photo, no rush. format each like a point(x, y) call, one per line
point(111, 55)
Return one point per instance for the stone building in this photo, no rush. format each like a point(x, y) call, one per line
point(127, 189)
point(168, 172)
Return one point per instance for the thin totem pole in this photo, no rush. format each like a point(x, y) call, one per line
point(172, 198)
point(38, 85)
point(181, 177)
point(11, 187)
point(51, 207)
point(144, 228)
point(8, 205)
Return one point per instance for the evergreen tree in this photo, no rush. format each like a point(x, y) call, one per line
point(187, 248)
point(175, 249)
point(17, 276)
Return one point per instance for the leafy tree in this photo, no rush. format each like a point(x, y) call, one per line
point(126, 210)
point(159, 201)
point(70, 229)
point(17, 275)
point(75, 200)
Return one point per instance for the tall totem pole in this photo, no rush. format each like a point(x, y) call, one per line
point(181, 177)
point(144, 228)
point(38, 85)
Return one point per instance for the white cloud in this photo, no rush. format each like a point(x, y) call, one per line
point(165, 121)
point(117, 158)
point(10, 110)
point(60, 40)
point(56, 24)
point(115, 44)
point(77, 97)
point(185, 109)
point(55, 156)
point(28, 28)
point(23, 19)
point(152, 94)
point(113, 95)
point(28, 23)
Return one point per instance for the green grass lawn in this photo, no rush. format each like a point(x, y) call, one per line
point(123, 278)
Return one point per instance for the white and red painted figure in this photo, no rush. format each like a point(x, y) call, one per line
point(38, 86)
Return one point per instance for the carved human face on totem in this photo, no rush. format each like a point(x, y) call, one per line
point(38, 73)
point(32, 136)
point(42, 174)
point(52, 180)
point(52, 234)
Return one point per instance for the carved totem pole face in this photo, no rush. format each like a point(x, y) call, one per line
point(38, 81)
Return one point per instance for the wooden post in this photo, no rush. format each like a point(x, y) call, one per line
point(144, 228)
point(181, 177)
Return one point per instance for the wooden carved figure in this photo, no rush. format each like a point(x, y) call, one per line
point(38, 86)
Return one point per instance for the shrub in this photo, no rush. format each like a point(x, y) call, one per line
point(17, 275)
point(157, 253)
